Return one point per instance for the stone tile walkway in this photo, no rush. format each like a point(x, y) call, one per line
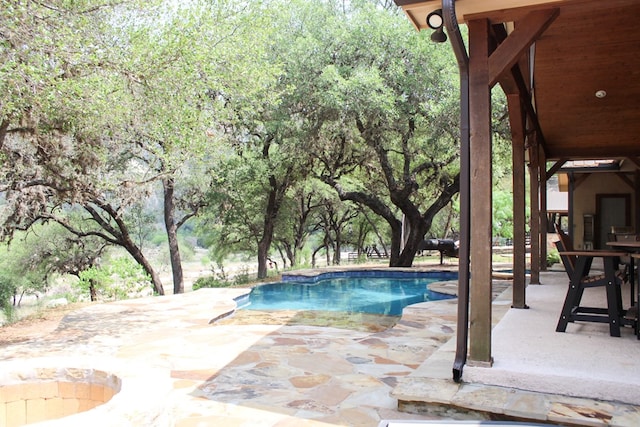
point(178, 369)
point(257, 375)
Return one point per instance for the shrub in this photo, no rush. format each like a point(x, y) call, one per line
point(553, 257)
point(6, 293)
point(122, 278)
point(10, 314)
point(242, 277)
point(210, 282)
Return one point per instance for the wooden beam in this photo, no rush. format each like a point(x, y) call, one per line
point(556, 167)
point(625, 179)
point(527, 31)
point(507, 82)
point(517, 120)
point(528, 104)
point(514, 82)
point(579, 179)
point(481, 175)
point(635, 161)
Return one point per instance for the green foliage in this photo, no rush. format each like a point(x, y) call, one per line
point(502, 213)
point(23, 268)
point(236, 105)
point(210, 282)
point(7, 292)
point(121, 278)
point(9, 313)
point(187, 250)
point(553, 257)
point(71, 295)
point(205, 260)
point(362, 259)
point(242, 277)
point(221, 280)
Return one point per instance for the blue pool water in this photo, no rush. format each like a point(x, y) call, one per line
point(352, 292)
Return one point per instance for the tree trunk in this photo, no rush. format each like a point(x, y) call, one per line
point(362, 235)
point(267, 235)
point(4, 125)
point(93, 293)
point(291, 255)
point(313, 256)
point(408, 254)
point(172, 235)
point(137, 254)
point(263, 253)
point(447, 226)
point(396, 238)
point(276, 193)
point(328, 243)
point(265, 242)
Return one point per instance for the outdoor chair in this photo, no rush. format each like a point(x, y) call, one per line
point(630, 242)
point(626, 260)
point(577, 264)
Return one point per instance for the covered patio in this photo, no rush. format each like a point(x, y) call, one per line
point(569, 69)
point(581, 377)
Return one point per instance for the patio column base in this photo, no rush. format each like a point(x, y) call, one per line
point(480, 363)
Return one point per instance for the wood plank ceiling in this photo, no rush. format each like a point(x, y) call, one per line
point(592, 46)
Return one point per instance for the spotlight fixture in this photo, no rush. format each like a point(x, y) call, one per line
point(601, 94)
point(435, 22)
point(439, 36)
point(434, 19)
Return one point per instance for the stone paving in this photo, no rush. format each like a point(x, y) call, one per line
point(178, 369)
point(430, 390)
point(251, 374)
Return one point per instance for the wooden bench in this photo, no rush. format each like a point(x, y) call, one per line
point(578, 267)
point(580, 279)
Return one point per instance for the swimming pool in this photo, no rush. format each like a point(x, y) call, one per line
point(375, 292)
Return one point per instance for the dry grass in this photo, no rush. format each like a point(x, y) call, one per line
point(36, 325)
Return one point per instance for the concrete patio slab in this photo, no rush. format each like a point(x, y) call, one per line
point(580, 377)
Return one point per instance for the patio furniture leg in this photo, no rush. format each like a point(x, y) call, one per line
point(614, 298)
point(574, 294)
point(636, 303)
point(632, 280)
point(565, 315)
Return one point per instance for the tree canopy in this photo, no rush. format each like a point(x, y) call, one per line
point(273, 126)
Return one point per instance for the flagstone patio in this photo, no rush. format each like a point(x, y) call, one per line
point(175, 368)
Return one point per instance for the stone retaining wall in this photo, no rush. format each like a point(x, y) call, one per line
point(47, 394)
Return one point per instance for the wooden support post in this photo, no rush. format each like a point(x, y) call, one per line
point(516, 118)
point(481, 177)
point(572, 220)
point(534, 228)
point(636, 204)
point(543, 209)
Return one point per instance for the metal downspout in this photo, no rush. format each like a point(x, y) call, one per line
point(453, 30)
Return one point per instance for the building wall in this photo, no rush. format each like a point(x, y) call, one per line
point(584, 200)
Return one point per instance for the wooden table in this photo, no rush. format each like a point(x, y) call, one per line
point(614, 314)
point(633, 251)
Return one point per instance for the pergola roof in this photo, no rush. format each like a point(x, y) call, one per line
point(591, 46)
